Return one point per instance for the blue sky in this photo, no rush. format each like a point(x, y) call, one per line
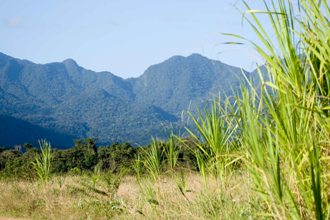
point(123, 36)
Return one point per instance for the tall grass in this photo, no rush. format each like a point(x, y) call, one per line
point(283, 126)
point(152, 160)
point(43, 161)
point(171, 152)
point(214, 136)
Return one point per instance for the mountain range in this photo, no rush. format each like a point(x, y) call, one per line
point(63, 101)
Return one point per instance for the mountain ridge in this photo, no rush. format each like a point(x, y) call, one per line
point(69, 99)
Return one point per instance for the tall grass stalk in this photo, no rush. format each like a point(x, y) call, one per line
point(201, 164)
point(171, 152)
point(96, 175)
point(43, 161)
point(153, 159)
point(214, 135)
point(138, 167)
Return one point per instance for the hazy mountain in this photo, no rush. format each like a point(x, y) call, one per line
point(65, 99)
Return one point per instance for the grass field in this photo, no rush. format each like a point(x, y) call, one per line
point(79, 197)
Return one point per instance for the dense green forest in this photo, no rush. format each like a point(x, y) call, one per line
point(85, 156)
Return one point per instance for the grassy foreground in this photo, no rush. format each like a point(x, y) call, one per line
point(80, 197)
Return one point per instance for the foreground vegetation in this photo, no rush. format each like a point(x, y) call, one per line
point(261, 154)
point(79, 197)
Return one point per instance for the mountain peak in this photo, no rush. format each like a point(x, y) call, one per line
point(70, 61)
point(196, 55)
point(191, 56)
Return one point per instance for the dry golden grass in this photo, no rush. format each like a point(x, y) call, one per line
point(77, 197)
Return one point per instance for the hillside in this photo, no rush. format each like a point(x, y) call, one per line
point(65, 98)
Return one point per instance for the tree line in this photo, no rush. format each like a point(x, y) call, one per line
point(85, 156)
